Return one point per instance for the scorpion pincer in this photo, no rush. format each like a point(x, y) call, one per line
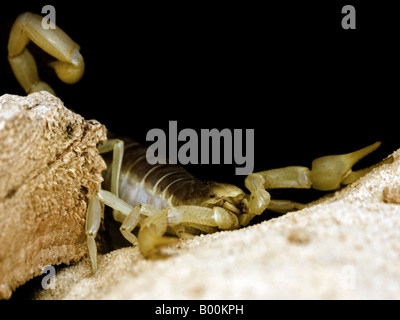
point(158, 203)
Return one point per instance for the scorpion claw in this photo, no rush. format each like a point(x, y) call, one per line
point(330, 172)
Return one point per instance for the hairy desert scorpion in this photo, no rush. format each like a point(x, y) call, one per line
point(158, 203)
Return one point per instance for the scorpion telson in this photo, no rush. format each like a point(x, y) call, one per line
point(158, 203)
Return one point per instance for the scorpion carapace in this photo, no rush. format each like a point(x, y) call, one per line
point(156, 204)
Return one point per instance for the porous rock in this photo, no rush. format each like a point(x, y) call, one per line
point(49, 166)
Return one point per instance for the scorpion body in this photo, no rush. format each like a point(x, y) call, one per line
point(155, 204)
point(165, 199)
point(165, 186)
point(161, 185)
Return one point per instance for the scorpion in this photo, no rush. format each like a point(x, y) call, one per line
point(157, 204)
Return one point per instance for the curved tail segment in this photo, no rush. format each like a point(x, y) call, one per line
point(69, 65)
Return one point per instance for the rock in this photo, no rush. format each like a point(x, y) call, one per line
point(49, 166)
point(346, 246)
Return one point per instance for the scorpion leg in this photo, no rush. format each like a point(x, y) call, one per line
point(132, 220)
point(117, 146)
point(28, 27)
point(181, 231)
point(151, 234)
point(152, 231)
point(93, 218)
point(284, 206)
point(190, 230)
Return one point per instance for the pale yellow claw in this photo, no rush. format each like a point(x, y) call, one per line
point(330, 172)
point(327, 174)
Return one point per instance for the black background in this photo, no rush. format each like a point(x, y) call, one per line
point(287, 70)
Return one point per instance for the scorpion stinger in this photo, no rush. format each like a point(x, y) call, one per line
point(28, 27)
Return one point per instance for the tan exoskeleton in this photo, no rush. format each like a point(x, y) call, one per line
point(155, 204)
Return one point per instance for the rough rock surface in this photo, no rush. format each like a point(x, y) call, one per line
point(344, 247)
point(49, 165)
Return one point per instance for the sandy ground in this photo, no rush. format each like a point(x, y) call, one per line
point(345, 247)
